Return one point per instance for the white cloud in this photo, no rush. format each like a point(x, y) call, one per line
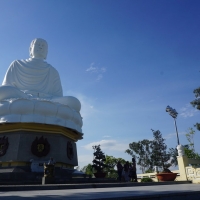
point(172, 135)
point(108, 145)
point(106, 136)
point(97, 70)
point(103, 69)
point(85, 159)
point(99, 77)
point(188, 111)
point(91, 68)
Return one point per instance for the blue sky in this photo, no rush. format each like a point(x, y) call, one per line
point(126, 60)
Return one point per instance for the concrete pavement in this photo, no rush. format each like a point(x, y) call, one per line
point(161, 192)
point(83, 185)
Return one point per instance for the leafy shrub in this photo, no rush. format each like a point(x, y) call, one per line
point(146, 179)
point(149, 171)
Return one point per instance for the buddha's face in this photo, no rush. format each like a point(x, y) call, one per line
point(39, 49)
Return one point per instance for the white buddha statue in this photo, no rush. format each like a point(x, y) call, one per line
point(34, 78)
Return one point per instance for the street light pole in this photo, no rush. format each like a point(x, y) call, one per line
point(176, 131)
point(174, 114)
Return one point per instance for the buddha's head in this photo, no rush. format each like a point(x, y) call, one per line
point(38, 49)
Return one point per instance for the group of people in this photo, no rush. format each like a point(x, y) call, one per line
point(127, 172)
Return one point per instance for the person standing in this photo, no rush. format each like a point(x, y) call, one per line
point(126, 171)
point(134, 174)
point(131, 172)
point(119, 170)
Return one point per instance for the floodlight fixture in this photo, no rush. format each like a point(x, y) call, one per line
point(172, 112)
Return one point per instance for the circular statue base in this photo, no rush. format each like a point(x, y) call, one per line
point(29, 145)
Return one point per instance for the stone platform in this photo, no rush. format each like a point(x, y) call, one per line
point(84, 183)
point(131, 191)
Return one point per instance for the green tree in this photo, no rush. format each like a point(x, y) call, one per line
point(88, 169)
point(111, 162)
point(190, 153)
point(173, 153)
point(190, 138)
point(196, 103)
point(159, 155)
point(143, 152)
point(189, 149)
point(153, 153)
point(99, 159)
point(149, 171)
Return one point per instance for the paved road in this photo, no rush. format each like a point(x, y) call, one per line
point(170, 192)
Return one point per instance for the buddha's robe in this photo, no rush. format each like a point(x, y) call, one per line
point(34, 77)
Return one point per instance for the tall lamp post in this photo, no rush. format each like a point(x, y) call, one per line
point(174, 114)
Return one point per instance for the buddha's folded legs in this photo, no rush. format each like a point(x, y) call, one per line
point(72, 102)
point(8, 92)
